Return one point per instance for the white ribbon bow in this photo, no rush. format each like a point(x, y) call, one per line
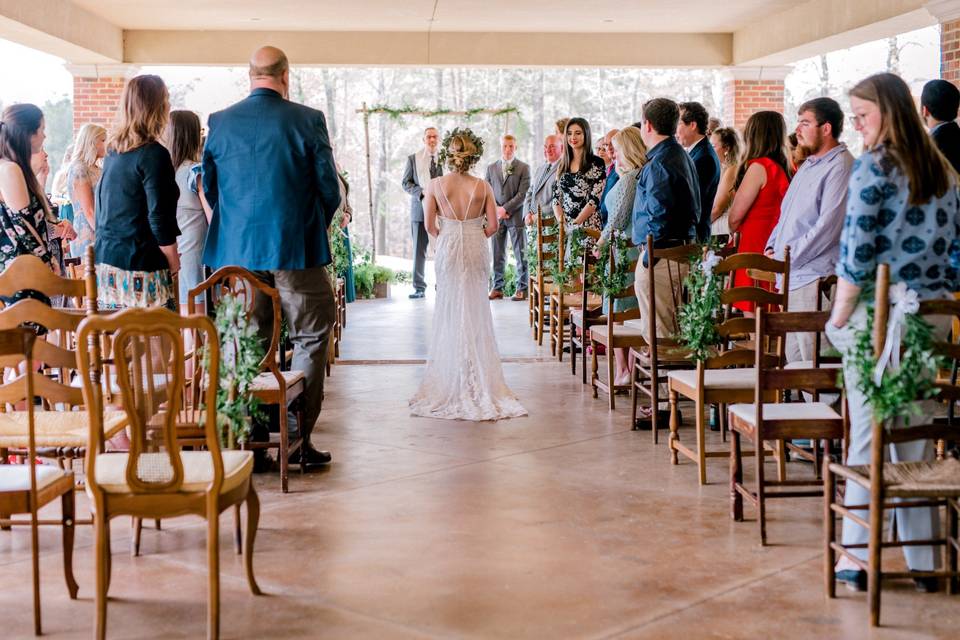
point(904, 302)
point(710, 261)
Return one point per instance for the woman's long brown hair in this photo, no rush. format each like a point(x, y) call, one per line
point(18, 125)
point(144, 111)
point(905, 141)
point(764, 136)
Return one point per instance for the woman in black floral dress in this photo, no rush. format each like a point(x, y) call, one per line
point(580, 179)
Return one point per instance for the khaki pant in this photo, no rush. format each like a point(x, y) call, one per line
point(667, 278)
point(799, 346)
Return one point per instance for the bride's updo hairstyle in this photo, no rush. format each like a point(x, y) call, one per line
point(461, 150)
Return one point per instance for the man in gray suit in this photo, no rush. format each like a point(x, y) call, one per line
point(422, 166)
point(510, 179)
point(539, 196)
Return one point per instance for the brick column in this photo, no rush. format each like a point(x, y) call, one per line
point(96, 92)
point(747, 90)
point(947, 13)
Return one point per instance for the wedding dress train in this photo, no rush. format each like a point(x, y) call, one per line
point(463, 378)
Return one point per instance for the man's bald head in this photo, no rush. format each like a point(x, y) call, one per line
point(270, 69)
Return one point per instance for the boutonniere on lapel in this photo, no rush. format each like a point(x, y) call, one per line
point(508, 170)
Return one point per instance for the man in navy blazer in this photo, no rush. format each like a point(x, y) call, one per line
point(692, 134)
point(269, 176)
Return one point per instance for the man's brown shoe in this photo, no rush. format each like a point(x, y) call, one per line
point(519, 295)
point(496, 294)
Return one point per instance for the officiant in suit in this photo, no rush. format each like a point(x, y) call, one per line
point(422, 166)
point(510, 179)
point(269, 176)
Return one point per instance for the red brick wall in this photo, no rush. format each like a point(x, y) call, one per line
point(743, 98)
point(96, 100)
point(950, 51)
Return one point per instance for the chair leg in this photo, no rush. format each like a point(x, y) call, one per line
point(68, 517)
point(611, 382)
point(539, 320)
point(594, 366)
point(761, 503)
point(137, 525)
point(874, 562)
point(674, 427)
point(722, 421)
point(829, 526)
point(35, 565)
point(573, 353)
point(102, 543)
point(816, 458)
point(583, 352)
point(654, 406)
point(701, 442)
point(782, 460)
point(283, 446)
point(736, 477)
point(213, 573)
point(156, 524)
point(952, 534)
point(253, 521)
point(634, 378)
point(237, 537)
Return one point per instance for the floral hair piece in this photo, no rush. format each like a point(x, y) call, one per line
point(461, 158)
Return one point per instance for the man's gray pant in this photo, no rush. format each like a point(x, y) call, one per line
point(519, 241)
point(420, 236)
point(306, 297)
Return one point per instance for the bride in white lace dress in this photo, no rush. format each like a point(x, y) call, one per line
point(463, 378)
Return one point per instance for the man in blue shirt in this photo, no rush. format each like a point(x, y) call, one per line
point(666, 206)
point(691, 133)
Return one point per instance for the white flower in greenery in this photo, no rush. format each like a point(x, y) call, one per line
point(904, 301)
point(710, 261)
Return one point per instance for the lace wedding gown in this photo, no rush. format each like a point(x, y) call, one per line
point(463, 378)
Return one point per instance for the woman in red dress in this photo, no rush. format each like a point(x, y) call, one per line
point(762, 181)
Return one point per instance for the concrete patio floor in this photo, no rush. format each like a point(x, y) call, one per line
point(564, 524)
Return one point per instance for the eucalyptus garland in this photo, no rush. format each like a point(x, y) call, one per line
point(398, 112)
point(240, 356)
point(338, 247)
point(697, 317)
point(576, 245)
point(604, 281)
point(899, 389)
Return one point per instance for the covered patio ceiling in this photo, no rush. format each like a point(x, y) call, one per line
point(696, 33)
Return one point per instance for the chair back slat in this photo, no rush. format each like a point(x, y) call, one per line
point(30, 272)
point(808, 379)
point(755, 295)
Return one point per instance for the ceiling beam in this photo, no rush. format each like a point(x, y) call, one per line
point(817, 26)
point(61, 28)
point(438, 48)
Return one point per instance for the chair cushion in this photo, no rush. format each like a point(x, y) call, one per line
point(808, 364)
point(912, 479)
point(111, 469)
point(56, 428)
point(785, 411)
point(718, 378)
point(266, 381)
point(16, 477)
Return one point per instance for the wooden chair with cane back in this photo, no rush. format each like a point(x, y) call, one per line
point(283, 389)
point(900, 485)
point(652, 362)
point(26, 488)
point(541, 283)
point(727, 376)
point(614, 333)
point(567, 297)
point(156, 478)
point(583, 317)
point(762, 421)
point(60, 426)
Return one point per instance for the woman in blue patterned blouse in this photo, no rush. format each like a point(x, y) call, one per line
point(902, 210)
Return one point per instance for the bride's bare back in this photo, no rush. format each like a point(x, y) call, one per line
point(460, 197)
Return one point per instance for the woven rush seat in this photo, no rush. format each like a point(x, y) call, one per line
point(576, 317)
point(111, 470)
point(266, 381)
point(619, 330)
point(744, 378)
point(910, 479)
point(56, 428)
point(575, 298)
point(785, 411)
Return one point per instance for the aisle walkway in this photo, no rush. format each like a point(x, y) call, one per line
point(565, 524)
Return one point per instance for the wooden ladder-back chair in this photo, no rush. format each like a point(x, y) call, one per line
point(728, 376)
point(762, 421)
point(614, 334)
point(541, 284)
point(663, 353)
point(583, 317)
point(564, 299)
point(899, 485)
point(156, 479)
point(25, 488)
point(60, 428)
point(284, 389)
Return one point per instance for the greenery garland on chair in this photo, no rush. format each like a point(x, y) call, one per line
point(576, 245)
point(607, 283)
point(895, 394)
point(240, 354)
point(697, 317)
